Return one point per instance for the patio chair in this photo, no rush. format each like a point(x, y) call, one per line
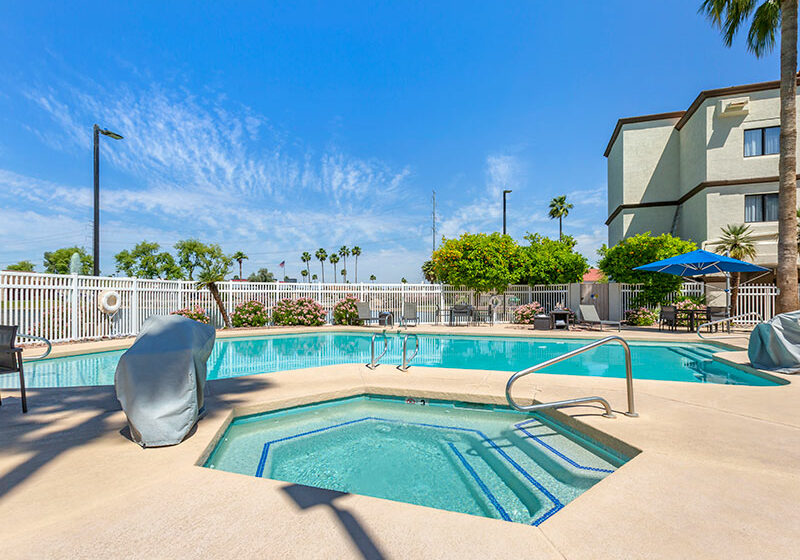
point(11, 359)
point(461, 310)
point(589, 315)
point(365, 313)
point(409, 314)
point(668, 316)
point(715, 313)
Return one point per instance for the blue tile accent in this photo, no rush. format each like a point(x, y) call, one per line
point(480, 482)
point(557, 505)
point(555, 451)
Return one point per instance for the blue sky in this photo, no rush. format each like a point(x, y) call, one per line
point(275, 128)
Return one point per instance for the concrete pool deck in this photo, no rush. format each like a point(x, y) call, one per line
point(718, 475)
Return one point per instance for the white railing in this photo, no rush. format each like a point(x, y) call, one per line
point(629, 293)
point(65, 307)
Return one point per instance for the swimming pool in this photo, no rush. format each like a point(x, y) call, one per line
point(475, 459)
point(233, 357)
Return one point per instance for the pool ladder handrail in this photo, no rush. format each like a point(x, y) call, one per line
point(727, 320)
point(373, 361)
point(406, 361)
point(41, 338)
point(579, 401)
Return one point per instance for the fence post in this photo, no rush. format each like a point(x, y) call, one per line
point(135, 307)
point(614, 301)
point(73, 328)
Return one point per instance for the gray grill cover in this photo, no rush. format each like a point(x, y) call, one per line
point(775, 345)
point(161, 378)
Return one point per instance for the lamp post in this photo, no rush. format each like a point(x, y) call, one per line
point(96, 241)
point(505, 192)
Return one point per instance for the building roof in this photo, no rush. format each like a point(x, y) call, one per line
point(684, 116)
point(593, 275)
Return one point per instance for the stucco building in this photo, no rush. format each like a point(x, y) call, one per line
point(692, 172)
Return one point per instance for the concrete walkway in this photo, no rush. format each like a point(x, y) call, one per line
point(718, 477)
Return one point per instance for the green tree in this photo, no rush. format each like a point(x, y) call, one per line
point(263, 275)
point(333, 259)
point(403, 280)
point(356, 251)
point(765, 18)
point(321, 255)
point(552, 261)
point(57, 262)
point(479, 261)
point(238, 256)
point(559, 209)
point(190, 253)
point(429, 271)
point(213, 266)
point(314, 277)
point(372, 278)
point(304, 274)
point(145, 261)
point(343, 272)
point(21, 266)
point(618, 262)
point(344, 252)
point(737, 242)
point(306, 258)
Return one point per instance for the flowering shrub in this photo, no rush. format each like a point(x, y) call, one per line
point(303, 311)
point(524, 314)
point(195, 313)
point(686, 304)
point(249, 314)
point(641, 317)
point(345, 311)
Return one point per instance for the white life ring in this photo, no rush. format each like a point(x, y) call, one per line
point(110, 302)
point(495, 301)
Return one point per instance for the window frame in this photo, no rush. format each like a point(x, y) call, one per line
point(763, 203)
point(763, 130)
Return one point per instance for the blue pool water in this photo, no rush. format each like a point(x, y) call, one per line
point(234, 357)
point(472, 459)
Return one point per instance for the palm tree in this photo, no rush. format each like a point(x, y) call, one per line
point(372, 278)
point(356, 251)
point(314, 277)
point(559, 208)
point(304, 273)
point(344, 252)
point(333, 259)
point(429, 271)
point(321, 255)
point(238, 256)
point(403, 281)
point(737, 242)
point(214, 265)
point(730, 16)
point(344, 275)
point(306, 258)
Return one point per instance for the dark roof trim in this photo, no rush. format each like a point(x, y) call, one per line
point(691, 193)
point(643, 118)
point(684, 116)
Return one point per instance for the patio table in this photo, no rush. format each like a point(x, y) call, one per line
point(693, 316)
point(561, 315)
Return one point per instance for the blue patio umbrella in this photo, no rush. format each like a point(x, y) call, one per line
point(700, 262)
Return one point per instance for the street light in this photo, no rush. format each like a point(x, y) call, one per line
point(505, 192)
point(97, 132)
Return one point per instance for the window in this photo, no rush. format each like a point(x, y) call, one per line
point(762, 141)
point(761, 208)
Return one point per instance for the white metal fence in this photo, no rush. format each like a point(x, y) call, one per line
point(65, 307)
point(629, 293)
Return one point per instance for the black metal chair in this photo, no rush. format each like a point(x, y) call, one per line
point(716, 313)
point(461, 310)
point(11, 359)
point(668, 316)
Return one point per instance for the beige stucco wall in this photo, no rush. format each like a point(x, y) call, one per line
point(656, 220)
point(615, 182)
point(650, 162)
point(693, 137)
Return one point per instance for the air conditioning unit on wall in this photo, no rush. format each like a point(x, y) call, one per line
point(734, 107)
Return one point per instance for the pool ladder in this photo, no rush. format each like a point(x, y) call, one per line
point(582, 400)
point(374, 360)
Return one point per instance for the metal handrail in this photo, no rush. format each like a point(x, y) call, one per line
point(404, 365)
point(46, 352)
point(373, 361)
point(576, 402)
point(729, 319)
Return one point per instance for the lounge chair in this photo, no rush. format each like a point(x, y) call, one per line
point(589, 315)
point(668, 316)
point(409, 314)
point(365, 313)
point(11, 358)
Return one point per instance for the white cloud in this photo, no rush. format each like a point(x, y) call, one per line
point(591, 197)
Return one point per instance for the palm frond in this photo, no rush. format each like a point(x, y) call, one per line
point(728, 15)
point(766, 21)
